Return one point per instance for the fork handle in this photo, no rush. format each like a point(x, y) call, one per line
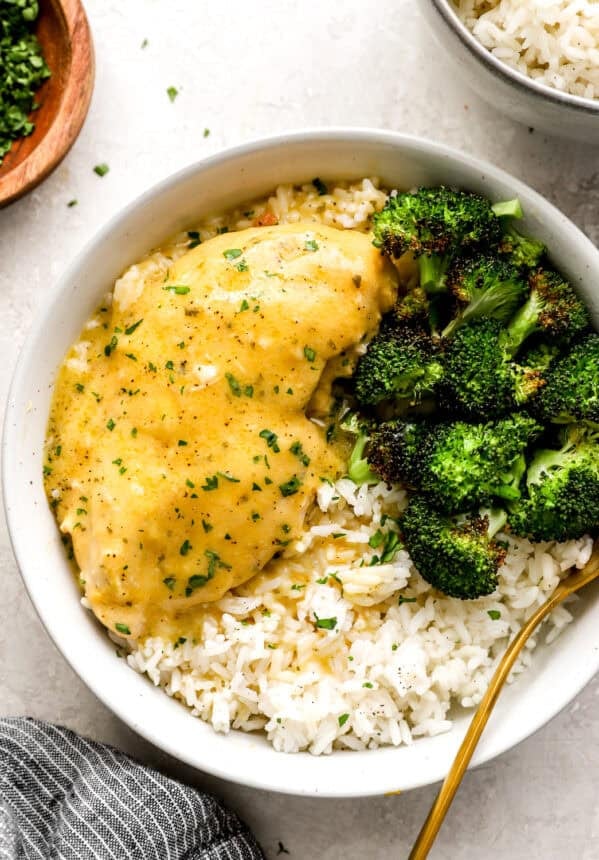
point(447, 792)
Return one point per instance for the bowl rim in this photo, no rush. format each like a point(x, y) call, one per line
point(386, 783)
point(510, 75)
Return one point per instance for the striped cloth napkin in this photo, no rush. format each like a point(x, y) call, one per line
point(63, 796)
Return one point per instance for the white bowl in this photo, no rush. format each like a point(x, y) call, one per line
point(527, 100)
point(559, 671)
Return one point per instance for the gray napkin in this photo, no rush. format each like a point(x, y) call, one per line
point(63, 796)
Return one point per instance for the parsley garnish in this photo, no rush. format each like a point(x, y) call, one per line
point(172, 93)
point(344, 717)
point(178, 289)
point(72, 203)
point(309, 353)
point(271, 439)
point(233, 385)
point(311, 245)
point(298, 451)
point(211, 483)
point(206, 526)
point(122, 628)
point(228, 477)
point(290, 487)
point(232, 253)
point(198, 580)
point(403, 599)
point(132, 328)
point(170, 582)
point(494, 614)
point(111, 425)
point(325, 623)
point(101, 169)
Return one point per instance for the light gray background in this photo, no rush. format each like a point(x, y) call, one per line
point(245, 70)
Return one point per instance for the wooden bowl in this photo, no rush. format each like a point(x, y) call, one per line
point(65, 39)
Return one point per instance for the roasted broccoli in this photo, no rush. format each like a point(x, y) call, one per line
point(480, 378)
point(552, 309)
point(484, 286)
point(455, 464)
point(434, 224)
point(571, 392)
point(457, 555)
point(562, 489)
point(399, 364)
point(358, 468)
point(523, 251)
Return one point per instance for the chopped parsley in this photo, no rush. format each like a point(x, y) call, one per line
point(494, 614)
point(311, 245)
point(122, 628)
point(271, 439)
point(245, 306)
point(297, 587)
point(131, 328)
point(290, 487)
point(403, 599)
point(298, 451)
point(309, 353)
point(242, 266)
point(367, 684)
point(182, 443)
point(190, 484)
point(228, 477)
point(198, 580)
point(211, 483)
point(110, 347)
point(342, 720)
point(206, 526)
point(376, 539)
point(111, 425)
point(233, 385)
point(101, 169)
point(206, 132)
point(232, 253)
point(172, 93)
point(325, 623)
point(170, 582)
point(178, 289)
point(72, 203)
point(185, 547)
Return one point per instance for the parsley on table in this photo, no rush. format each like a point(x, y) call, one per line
point(101, 169)
point(172, 93)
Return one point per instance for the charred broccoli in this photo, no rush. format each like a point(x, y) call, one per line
point(523, 251)
point(399, 364)
point(552, 309)
point(455, 464)
point(562, 489)
point(571, 392)
point(480, 378)
point(434, 224)
point(457, 555)
point(484, 286)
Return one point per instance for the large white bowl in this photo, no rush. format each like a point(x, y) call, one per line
point(559, 671)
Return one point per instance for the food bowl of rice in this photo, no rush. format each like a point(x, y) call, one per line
point(335, 670)
point(537, 62)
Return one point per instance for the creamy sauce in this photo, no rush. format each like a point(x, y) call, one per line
point(183, 451)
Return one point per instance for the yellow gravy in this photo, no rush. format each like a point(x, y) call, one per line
point(184, 446)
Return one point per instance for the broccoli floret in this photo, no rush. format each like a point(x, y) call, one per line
point(457, 465)
point(571, 392)
point(553, 309)
point(434, 224)
point(358, 468)
point(481, 380)
point(562, 486)
point(399, 364)
point(457, 555)
point(523, 252)
point(484, 286)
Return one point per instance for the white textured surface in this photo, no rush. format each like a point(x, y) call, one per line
point(246, 70)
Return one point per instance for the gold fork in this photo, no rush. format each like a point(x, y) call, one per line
point(571, 584)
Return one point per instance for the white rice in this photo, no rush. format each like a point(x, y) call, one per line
point(556, 42)
point(398, 654)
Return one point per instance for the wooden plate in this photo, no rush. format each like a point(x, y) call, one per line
point(65, 38)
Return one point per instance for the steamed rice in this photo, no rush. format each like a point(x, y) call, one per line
point(399, 654)
point(556, 42)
